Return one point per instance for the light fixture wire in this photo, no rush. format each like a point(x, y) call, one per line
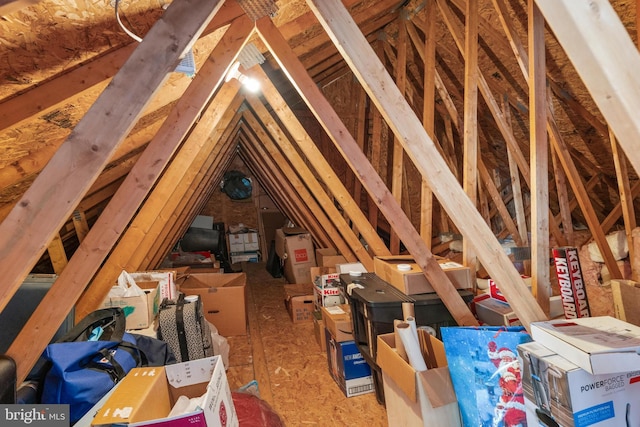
point(187, 64)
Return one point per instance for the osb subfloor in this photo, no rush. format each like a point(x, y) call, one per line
point(288, 364)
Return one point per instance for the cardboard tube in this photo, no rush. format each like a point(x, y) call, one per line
point(399, 346)
point(411, 346)
point(407, 310)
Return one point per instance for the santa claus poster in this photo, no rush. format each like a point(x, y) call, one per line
point(486, 374)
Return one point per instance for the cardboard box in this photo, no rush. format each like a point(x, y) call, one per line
point(417, 398)
point(236, 242)
point(329, 257)
point(146, 395)
point(626, 300)
point(244, 257)
point(557, 389)
point(327, 291)
point(495, 293)
point(224, 298)
point(349, 267)
point(243, 242)
point(599, 345)
point(347, 367)
point(496, 313)
point(298, 299)
point(318, 330)
point(337, 320)
point(251, 242)
point(166, 281)
point(295, 247)
point(413, 281)
point(139, 310)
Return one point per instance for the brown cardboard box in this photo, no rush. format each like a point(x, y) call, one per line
point(413, 281)
point(298, 298)
point(422, 398)
point(146, 395)
point(295, 247)
point(337, 320)
point(329, 257)
point(318, 329)
point(223, 298)
point(626, 300)
point(493, 312)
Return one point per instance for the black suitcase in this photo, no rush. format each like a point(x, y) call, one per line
point(7, 380)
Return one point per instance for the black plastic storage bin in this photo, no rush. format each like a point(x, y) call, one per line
point(375, 304)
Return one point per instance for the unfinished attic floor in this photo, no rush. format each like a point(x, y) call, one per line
point(288, 364)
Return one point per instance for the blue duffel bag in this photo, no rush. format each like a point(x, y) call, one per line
point(88, 361)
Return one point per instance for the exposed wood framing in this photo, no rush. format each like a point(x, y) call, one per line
point(106, 231)
point(421, 150)
point(539, 155)
point(29, 227)
point(602, 53)
point(626, 199)
point(323, 169)
point(470, 122)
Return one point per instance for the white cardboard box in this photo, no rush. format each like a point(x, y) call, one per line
point(236, 242)
point(145, 396)
point(251, 241)
point(556, 389)
point(599, 345)
point(327, 291)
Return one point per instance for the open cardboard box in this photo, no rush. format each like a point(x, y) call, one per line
point(298, 299)
point(140, 310)
point(337, 320)
point(166, 281)
point(413, 281)
point(417, 398)
point(146, 395)
point(223, 298)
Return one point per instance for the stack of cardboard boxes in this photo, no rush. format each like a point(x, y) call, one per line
point(582, 372)
point(244, 247)
point(320, 299)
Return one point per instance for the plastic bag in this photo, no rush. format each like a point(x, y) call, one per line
point(255, 412)
point(220, 345)
point(126, 287)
